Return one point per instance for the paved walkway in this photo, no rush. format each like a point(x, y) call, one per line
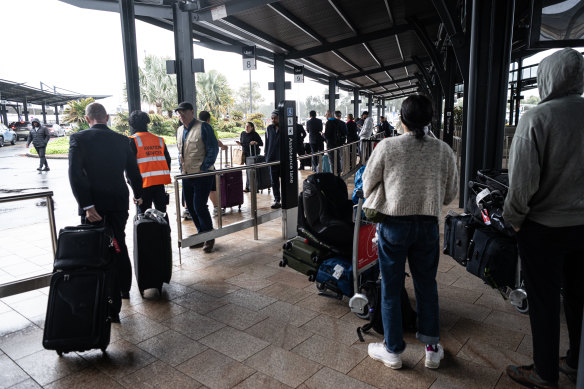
point(234, 318)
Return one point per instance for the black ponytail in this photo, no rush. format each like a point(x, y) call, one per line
point(416, 112)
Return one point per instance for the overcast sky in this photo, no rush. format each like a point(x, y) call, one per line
point(81, 50)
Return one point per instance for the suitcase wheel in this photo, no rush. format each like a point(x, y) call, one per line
point(287, 246)
point(59, 353)
point(321, 287)
point(160, 291)
point(282, 263)
point(315, 259)
point(311, 278)
point(239, 210)
point(103, 349)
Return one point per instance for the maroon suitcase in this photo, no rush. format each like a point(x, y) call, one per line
point(231, 189)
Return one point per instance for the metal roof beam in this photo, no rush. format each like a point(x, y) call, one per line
point(140, 9)
point(378, 70)
point(410, 78)
point(446, 17)
point(398, 89)
point(216, 12)
point(336, 6)
point(431, 50)
point(356, 40)
point(291, 18)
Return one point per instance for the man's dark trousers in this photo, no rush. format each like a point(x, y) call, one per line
point(41, 151)
point(275, 175)
point(156, 194)
point(315, 148)
point(196, 191)
point(552, 260)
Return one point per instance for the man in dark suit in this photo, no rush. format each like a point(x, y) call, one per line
point(314, 128)
point(98, 159)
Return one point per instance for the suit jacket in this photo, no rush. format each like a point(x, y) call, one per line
point(272, 150)
point(98, 159)
point(314, 128)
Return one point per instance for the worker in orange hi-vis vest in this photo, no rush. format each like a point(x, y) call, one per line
point(153, 160)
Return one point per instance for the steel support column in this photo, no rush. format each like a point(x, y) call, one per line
point(451, 68)
point(44, 112)
point(25, 109)
point(356, 104)
point(4, 113)
point(383, 108)
point(57, 114)
point(130, 54)
point(183, 52)
point(279, 79)
point(332, 89)
point(370, 104)
point(491, 33)
point(437, 97)
point(518, 91)
point(511, 102)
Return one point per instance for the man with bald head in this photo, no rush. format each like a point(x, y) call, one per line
point(99, 162)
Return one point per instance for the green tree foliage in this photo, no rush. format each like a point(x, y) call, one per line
point(120, 123)
point(533, 100)
point(237, 115)
point(242, 97)
point(316, 103)
point(213, 93)
point(75, 113)
point(257, 119)
point(160, 125)
point(157, 87)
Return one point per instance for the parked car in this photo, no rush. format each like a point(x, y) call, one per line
point(6, 135)
point(68, 127)
point(21, 129)
point(55, 130)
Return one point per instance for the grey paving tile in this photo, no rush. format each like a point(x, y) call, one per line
point(10, 373)
point(324, 304)
point(491, 356)
point(330, 353)
point(12, 321)
point(332, 328)
point(172, 347)
point(259, 380)
point(122, 358)
point(22, 343)
point(237, 316)
point(46, 366)
point(466, 329)
point(89, 378)
point(329, 378)
point(215, 288)
point(279, 333)
point(248, 299)
point(458, 372)
point(137, 328)
point(285, 293)
point(378, 375)
point(295, 315)
point(159, 310)
point(293, 279)
point(28, 384)
point(159, 375)
point(510, 321)
point(234, 343)
point(215, 370)
point(200, 302)
point(246, 282)
point(285, 366)
point(193, 325)
point(462, 309)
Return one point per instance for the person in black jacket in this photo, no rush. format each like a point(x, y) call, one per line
point(250, 140)
point(333, 136)
point(39, 137)
point(314, 128)
point(300, 135)
point(272, 153)
point(98, 160)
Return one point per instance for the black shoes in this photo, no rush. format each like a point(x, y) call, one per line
point(198, 245)
point(46, 169)
point(208, 246)
point(125, 295)
point(40, 169)
point(276, 205)
point(115, 318)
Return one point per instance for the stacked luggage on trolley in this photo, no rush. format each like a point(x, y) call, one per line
point(483, 242)
point(333, 248)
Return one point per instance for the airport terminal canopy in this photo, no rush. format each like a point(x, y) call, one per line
point(14, 92)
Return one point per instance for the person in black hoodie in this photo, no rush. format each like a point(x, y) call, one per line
point(39, 137)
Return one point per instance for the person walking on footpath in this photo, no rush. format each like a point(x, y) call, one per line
point(198, 149)
point(99, 161)
point(545, 205)
point(409, 195)
point(39, 137)
point(272, 153)
point(153, 160)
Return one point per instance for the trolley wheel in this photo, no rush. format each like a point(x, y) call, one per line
point(364, 316)
point(321, 287)
point(103, 349)
point(239, 210)
point(311, 278)
point(524, 308)
point(282, 264)
point(160, 291)
point(59, 352)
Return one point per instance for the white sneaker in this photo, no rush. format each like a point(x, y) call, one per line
point(433, 358)
point(378, 352)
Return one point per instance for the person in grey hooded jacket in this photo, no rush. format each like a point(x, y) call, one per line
point(545, 205)
point(39, 137)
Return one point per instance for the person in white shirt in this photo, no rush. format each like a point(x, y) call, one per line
point(367, 128)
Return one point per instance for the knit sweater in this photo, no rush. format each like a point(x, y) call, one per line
point(416, 176)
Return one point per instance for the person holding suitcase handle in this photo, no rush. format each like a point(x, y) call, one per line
point(248, 139)
point(545, 205)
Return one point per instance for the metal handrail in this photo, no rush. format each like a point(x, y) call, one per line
point(43, 280)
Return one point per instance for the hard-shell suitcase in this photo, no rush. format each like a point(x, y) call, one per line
point(493, 257)
point(231, 189)
point(263, 178)
point(302, 257)
point(82, 293)
point(458, 232)
point(152, 250)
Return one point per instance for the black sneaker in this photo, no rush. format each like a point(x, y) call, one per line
point(208, 247)
point(40, 168)
point(276, 205)
point(46, 169)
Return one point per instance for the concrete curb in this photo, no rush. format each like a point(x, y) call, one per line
point(49, 156)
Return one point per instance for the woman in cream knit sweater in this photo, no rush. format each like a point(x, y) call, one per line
point(408, 178)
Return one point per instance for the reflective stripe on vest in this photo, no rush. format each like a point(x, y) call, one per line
point(151, 160)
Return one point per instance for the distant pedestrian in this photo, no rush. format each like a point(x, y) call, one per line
point(272, 152)
point(315, 138)
point(205, 116)
point(39, 137)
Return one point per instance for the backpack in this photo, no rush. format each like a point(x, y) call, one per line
point(373, 292)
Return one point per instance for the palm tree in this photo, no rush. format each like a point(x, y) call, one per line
point(213, 93)
point(157, 87)
point(75, 112)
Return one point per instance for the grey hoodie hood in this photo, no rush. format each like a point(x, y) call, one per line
point(561, 74)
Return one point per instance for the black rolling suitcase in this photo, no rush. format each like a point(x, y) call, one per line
point(152, 250)
point(82, 294)
point(263, 178)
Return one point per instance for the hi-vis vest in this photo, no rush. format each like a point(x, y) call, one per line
point(151, 160)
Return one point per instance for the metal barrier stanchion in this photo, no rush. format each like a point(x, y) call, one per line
point(51, 211)
point(254, 198)
point(580, 378)
point(219, 209)
point(177, 204)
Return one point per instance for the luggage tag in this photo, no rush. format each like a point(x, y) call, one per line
point(338, 271)
point(484, 213)
point(115, 245)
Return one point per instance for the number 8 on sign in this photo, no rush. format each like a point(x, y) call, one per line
point(249, 64)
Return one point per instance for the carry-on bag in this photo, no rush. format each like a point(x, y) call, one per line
point(458, 232)
point(263, 177)
point(231, 189)
point(493, 257)
point(152, 250)
point(302, 257)
point(82, 293)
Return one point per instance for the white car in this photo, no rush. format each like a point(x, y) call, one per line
point(55, 130)
point(6, 135)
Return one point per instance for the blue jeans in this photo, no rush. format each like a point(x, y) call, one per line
point(415, 238)
point(196, 193)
